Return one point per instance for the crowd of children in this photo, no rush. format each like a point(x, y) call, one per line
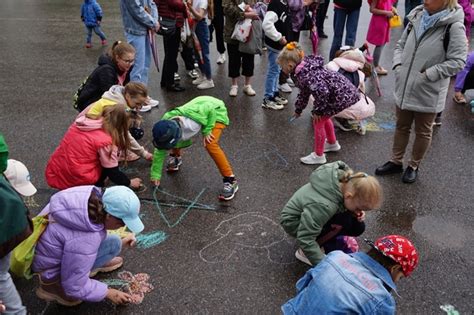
point(323, 216)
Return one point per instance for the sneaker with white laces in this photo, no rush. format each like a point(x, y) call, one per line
point(290, 82)
point(285, 88)
point(173, 163)
point(206, 84)
point(280, 100)
point(302, 257)
point(271, 104)
point(199, 80)
point(234, 89)
point(193, 74)
point(313, 158)
point(221, 59)
point(229, 190)
point(145, 108)
point(248, 90)
point(151, 102)
point(177, 77)
point(328, 147)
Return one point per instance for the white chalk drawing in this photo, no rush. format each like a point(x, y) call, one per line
point(244, 231)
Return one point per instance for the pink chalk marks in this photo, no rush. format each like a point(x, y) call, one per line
point(136, 285)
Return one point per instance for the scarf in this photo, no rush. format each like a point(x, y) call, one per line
point(428, 20)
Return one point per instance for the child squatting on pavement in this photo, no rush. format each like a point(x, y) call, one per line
point(204, 114)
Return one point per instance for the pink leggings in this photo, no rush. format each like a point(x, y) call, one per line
point(323, 129)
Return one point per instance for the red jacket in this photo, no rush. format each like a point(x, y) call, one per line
point(75, 161)
point(172, 9)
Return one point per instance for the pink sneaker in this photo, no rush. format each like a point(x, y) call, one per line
point(104, 42)
point(113, 264)
point(88, 45)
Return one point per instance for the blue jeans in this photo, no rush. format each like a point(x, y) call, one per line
point(96, 30)
point(108, 249)
point(8, 293)
point(349, 19)
point(141, 67)
point(202, 33)
point(273, 73)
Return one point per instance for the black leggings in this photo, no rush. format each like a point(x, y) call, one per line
point(340, 224)
point(468, 82)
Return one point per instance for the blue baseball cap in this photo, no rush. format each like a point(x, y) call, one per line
point(123, 203)
point(166, 134)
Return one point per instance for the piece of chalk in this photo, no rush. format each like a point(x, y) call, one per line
point(292, 118)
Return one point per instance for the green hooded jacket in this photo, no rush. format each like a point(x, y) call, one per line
point(3, 154)
point(311, 207)
point(206, 111)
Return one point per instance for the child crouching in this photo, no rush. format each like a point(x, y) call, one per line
point(332, 204)
point(204, 114)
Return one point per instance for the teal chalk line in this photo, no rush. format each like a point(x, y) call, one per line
point(180, 205)
point(183, 215)
point(148, 240)
point(114, 282)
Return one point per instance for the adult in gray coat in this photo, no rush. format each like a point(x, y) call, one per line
point(423, 67)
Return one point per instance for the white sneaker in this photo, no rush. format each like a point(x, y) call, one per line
point(271, 104)
point(206, 84)
point(145, 108)
point(312, 159)
point(221, 59)
point(199, 80)
point(290, 82)
point(285, 88)
point(193, 74)
point(151, 102)
point(248, 90)
point(331, 147)
point(302, 257)
point(281, 100)
point(234, 89)
point(177, 77)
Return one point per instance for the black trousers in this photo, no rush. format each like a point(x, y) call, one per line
point(187, 53)
point(239, 60)
point(218, 25)
point(340, 224)
point(321, 16)
point(468, 82)
point(170, 64)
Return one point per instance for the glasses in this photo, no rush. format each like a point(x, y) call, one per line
point(129, 61)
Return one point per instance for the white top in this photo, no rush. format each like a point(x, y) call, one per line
point(190, 128)
point(201, 4)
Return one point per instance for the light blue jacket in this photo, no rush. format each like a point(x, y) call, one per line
point(344, 284)
point(136, 20)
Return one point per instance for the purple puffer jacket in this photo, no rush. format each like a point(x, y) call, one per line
point(461, 76)
point(67, 249)
point(332, 91)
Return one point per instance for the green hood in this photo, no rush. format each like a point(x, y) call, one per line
point(311, 207)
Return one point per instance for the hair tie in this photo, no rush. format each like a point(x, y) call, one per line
point(358, 175)
point(291, 45)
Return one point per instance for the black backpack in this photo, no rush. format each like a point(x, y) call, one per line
point(445, 37)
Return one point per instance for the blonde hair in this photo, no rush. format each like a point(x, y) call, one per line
point(364, 187)
point(451, 4)
point(291, 52)
point(116, 122)
point(119, 49)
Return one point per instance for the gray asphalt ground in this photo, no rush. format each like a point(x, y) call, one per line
point(233, 258)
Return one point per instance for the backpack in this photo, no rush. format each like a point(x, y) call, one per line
point(23, 255)
point(75, 97)
point(351, 76)
point(445, 37)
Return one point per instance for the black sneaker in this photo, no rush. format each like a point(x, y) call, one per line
point(389, 168)
point(437, 121)
point(173, 163)
point(229, 190)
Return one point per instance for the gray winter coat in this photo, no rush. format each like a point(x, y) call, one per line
point(422, 77)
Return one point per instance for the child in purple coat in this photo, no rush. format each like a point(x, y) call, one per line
point(332, 94)
point(75, 244)
point(464, 80)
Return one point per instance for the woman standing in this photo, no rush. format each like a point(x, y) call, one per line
point(237, 59)
point(423, 67)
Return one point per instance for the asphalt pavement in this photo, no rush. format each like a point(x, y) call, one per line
point(208, 257)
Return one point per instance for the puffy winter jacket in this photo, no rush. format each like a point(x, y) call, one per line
point(91, 12)
point(423, 67)
point(76, 161)
point(100, 81)
point(311, 207)
point(68, 247)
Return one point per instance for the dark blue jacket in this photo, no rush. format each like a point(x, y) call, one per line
point(91, 13)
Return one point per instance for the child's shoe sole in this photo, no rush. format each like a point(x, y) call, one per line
point(42, 294)
point(230, 197)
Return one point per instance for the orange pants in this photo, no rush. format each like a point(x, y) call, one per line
point(215, 151)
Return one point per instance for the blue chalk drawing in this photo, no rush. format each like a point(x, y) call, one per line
point(190, 204)
point(270, 153)
point(114, 282)
point(449, 309)
point(152, 239)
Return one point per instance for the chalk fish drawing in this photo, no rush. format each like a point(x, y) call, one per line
point(246, 230)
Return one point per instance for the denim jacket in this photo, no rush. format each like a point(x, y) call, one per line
point(136, 20)
point(344, 284)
